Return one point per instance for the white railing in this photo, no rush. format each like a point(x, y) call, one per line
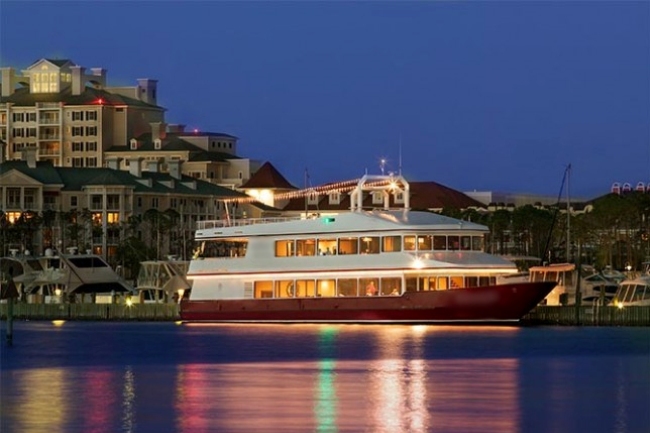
point(213, 224)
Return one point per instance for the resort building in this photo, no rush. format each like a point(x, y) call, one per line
point(74, 118)
point(71, 116)
point(43, 206)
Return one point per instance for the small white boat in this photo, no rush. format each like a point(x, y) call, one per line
point(593, 287)
point(633, 292)
point(162, 281)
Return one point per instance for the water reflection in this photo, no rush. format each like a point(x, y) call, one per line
point(326, 379)
point(128, 401)
point(396, 391)
point(38, 408)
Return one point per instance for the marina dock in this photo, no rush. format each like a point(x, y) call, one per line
point(540, 316)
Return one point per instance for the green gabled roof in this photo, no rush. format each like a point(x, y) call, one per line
point(169, 143)
point(202, 187)
point(204, 134)
point(76, 178)
point(90, 96)
point(211, 156)
point(57, 62)
point(44, 172)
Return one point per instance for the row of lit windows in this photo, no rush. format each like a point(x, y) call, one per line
point(111, 217)
point(377, 244)
point(356, 287)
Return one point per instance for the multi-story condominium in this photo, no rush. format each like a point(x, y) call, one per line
point(69, 115)
point(73, 118)
point(92, 208)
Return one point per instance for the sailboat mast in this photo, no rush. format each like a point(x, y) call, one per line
point(568, 214)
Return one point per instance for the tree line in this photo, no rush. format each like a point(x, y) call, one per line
point(612, 231)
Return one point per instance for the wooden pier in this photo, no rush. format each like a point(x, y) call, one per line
point(588, 316)
point(118, 312)
point(542, 315)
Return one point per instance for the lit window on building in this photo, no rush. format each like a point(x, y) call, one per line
point(12, 217)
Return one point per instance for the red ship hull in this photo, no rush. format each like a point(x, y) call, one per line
point(508, 302)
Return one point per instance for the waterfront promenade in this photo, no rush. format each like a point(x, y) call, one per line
point(542, 315)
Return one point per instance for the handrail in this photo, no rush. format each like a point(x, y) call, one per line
point(213, 224)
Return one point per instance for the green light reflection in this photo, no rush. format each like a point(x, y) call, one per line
point(326, 401)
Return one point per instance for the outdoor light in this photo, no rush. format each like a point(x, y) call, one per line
point(57, 292)
point(418, 263)
point(129, 302)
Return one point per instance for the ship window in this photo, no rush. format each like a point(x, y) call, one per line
point(391, 244)
point(456, 282)
point(370, 245)
point(471, 281)
point(411, 284)
point(477, 243)
point(442, 283)
point(369, 286)
point(348, 246)
point(484, 281)
point(326, 288)
point(440, 243)
point(224, 248)
point(326, 247)
point(424, 243)
point(465, 243)
point(284, 248)
point(263, 289)
point(409, 243)
point(347, 287)
point(390, 286)
point(88, 262)
point(453, 243)
point(305, 288)
point(306, 247)
point(427, 283)
point(284, 289)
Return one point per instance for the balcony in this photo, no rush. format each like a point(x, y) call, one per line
point(49, 149)
point(49, 137)
point(49, 120)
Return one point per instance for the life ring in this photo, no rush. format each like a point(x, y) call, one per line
point(290, 290)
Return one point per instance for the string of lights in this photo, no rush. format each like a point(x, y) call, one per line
point(337, 187)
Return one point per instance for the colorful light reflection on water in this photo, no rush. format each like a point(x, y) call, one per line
point(96, 377)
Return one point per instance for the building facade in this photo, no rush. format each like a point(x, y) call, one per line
point(70, 116)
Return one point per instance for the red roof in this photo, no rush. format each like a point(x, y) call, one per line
point(423, 195)
point(267, 177)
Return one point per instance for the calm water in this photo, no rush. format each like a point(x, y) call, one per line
point(162, 377)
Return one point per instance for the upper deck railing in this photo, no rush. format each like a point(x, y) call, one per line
point(215, 224)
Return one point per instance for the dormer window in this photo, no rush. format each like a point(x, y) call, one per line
point(399, 197)
point(335, 198)
point(134, 144)
point(377, 197)
point(312, 198)
point(157, 144)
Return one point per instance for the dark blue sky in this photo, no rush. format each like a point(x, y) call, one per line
point(485, 95)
